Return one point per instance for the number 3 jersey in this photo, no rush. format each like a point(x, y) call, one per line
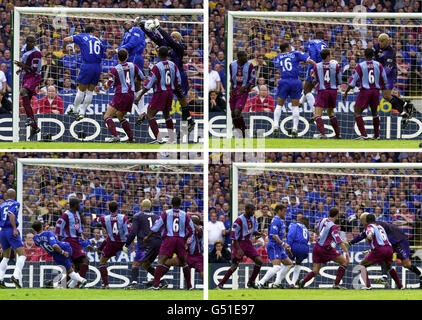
point(116, 226)
point(174, 223)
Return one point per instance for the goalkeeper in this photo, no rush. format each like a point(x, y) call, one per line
point(399, 243)
point(174, 41)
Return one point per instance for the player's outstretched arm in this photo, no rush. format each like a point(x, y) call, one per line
point(346, 92)
point(310, 61)
point(60, 250)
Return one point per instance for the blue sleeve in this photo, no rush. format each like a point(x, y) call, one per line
point(273, 229)
point(291, 233)
point(52, 240)
point(77, 39)
point(302, 56)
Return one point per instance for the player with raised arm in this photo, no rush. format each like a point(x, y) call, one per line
point(315, 47)
point(30, 66)
point(276, 249)
point(165, 79)
point(327, 76)
point(242, 79)
point(122, 78)
point(298, 240)
point(381, 251)
point(69, 229)
point(400, 246)
point(145, 254)
point(10, 238)
point(289, 85)
point(386, 55)
point(175, 42)
point(175, 226)
point(92, 52)
point(371, 76)
point(60, 251)
point(325, 249)
point(244, 228)
point(115, 225)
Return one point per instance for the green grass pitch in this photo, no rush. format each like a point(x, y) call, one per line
point(314, 294)
point(311, 144)
point(99, 294)
point(92, 145)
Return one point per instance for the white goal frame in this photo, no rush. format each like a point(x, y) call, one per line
point(62, 11)
point(231, 15)
point(256, 166)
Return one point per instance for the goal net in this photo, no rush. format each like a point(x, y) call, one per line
point(61, 67)
point(390, 191)
point(347, 35)
point(44, 187)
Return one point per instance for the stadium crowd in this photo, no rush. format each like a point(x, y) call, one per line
point(60, 65)
point(392, 198)
point(46, 190)
point(261, 38)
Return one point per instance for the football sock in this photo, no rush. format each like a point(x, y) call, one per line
point(28, 110)
point(154, 127)
point(134, 274)
point(83, 269)
point(277, 115)
point(310, 99)
point(415, 269)
point(111, 126)
point(186, 273)
point(78, 100)
point(282, 273)
point(309, 276)
point(226, 277)
point(242, 125)
point(20, 262)
point(361, 125)
point(320, 125)
point(160, 271)
point(395, 276)
point(269, 274)
point(186, 114)
point(75, 276)
point(255, 273)
point(295, 113)
point(170, 129)
point(376, 122)
point(365, 277)
point(151, 270)
point(302, 98)
point(87, 102)
point(126, 126)
point(296, 272)
point(3, 267)
point(340, 273)
point(397, 103)
point(334, 123)
point(104, 273)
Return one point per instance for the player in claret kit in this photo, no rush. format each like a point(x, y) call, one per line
point(325, 249)
point(372, 78)
point(122, 78)
point(175, 226)
point(244, 228)
point(60, 251)
point(381, 251)
point(115, 225)
point(242, 79)
point(10, 238)
point(92, 52)
point(30, 66)
point(327, 76)
point(195, 243)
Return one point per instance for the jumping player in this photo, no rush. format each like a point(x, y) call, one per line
point(30, 66)
point(243, 229)
point(123, 95)
point(325, 249)
point(381, 251)
point(115, 225)
point(176, 54)
point(60, 251)
point(289, 85)
point(92, 52)
point(10, 238)
point(327, 76)
point(164, 78)
point(242, 79)
point(372, 78)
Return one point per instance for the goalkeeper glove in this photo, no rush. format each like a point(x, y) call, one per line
point(138, 21)
point(125, 248)
point(156, 24)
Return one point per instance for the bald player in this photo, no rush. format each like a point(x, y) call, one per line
point(399, 243)
point(386, 55)
point(145, 253)
point(10, 238)
point(174, 41)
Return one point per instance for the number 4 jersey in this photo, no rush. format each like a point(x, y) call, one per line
point(123, 76)
point(116, 226)
point(174, 223)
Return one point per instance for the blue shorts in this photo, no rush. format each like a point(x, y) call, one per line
point(61, 260)
point(402, 249)
point(276, 251)
point(300, 252)
point(308, 73)
point(289, 88)
point(90, 73)
point(8, 240)
point(139, 61)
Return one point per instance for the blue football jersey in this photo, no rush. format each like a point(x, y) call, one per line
point(47, 240)
point(8, 206)
point(298, 233)
point(133, 42)
point(288, 63)
point(314, 49)
point(92, 49)
point(277, 228)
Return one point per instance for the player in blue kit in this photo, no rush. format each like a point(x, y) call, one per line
point(276, 249)
point(92, 52)
point(315, 47)
point(298, 240)
point(289, 85)
point(10, 238)
point(60, 251)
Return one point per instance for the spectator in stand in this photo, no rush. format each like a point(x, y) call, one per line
point(403, 73)
point(32, 252)
point(216, 229)
point(50, 70)
point(35, 105)
point(51, 103)
point(219, 253)
point(216, 102)
point(263, 102)
point(214, 80)
point(405, 220)
point(67, 87)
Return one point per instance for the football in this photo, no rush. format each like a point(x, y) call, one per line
point(149, 25)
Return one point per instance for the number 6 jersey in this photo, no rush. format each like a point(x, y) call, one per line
point(164, 76)
point(174, 223)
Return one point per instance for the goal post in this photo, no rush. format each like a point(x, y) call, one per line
point(347, 34)
point(344, 179)
point(64, 21)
